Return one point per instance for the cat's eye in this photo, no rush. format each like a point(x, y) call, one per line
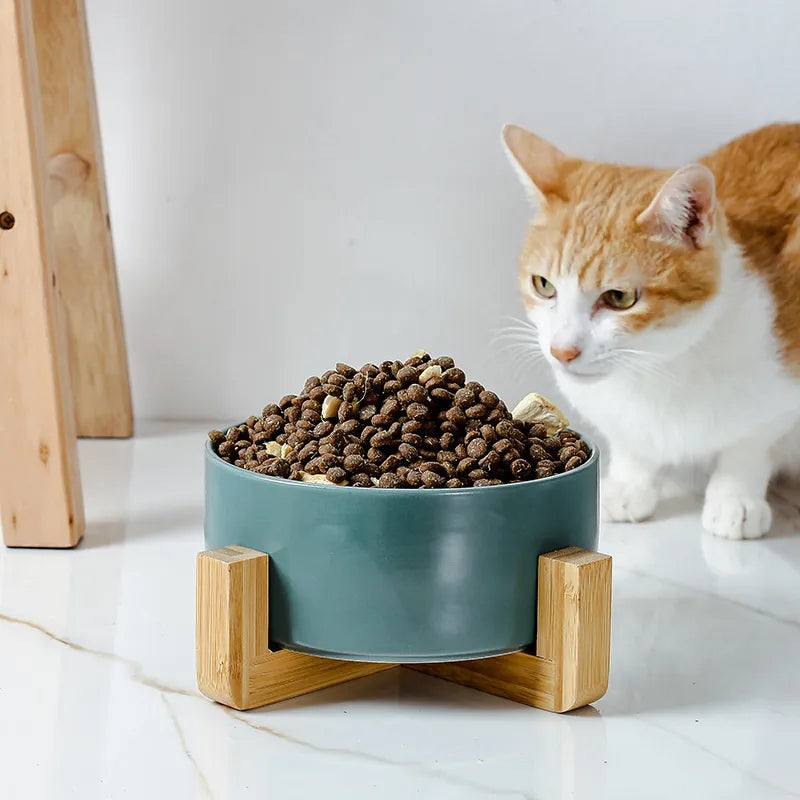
point(620, 299)
point(543, 287)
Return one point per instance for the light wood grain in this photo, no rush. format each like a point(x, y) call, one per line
point(573, 644)
point(98, 357)
point(570, 669)
point(40, 495)
point(234, 664)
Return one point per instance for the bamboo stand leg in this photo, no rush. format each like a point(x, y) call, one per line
point(234, 664)
point(573, 642)
point(569, 670)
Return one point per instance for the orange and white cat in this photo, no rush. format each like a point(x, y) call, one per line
point(668, 304)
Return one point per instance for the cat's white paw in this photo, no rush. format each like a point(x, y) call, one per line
point(625, 501)
point(736, 516)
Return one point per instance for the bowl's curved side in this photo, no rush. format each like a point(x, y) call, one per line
point(401, 575)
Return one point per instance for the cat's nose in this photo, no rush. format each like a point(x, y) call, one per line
point(565, 354)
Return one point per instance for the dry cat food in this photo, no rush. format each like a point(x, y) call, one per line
point(412, 424)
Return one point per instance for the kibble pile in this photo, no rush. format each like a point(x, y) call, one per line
point(413, 424)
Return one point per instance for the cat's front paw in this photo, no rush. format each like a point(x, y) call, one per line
point(734, 516)
point(625, 501)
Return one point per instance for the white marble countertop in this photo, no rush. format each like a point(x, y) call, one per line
point(98, 698)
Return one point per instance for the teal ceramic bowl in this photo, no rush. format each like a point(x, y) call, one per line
point(401, 575)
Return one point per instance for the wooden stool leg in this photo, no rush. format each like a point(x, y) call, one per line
point(234, 664)
point(573, 643)
point(40, 495)
point(98, 358)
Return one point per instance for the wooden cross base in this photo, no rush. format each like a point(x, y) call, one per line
point(569, 669)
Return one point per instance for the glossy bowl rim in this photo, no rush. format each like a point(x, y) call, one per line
point(472, 491)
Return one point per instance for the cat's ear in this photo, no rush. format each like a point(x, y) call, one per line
point(537, 163)
point(682, 212)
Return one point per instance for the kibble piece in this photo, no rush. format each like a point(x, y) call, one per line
point(414, 478)
point(441, 395)
point(477, 448)
point(431, 480)
point(520, 468)
point(489, 399)
point(391, 463)
point(454, 483)
point(406, 375)
point(457, 416)
point(388, 481)
point(408, 451)
point(417, 393)
point(322, 429)
point(381, 421)
point(350, 426)
point(414, 439)
point(502, 446)
point(417, 411)
point(367, 412)
point(477, 475)
point(454, 375)
point(278, 468)
point(353, 462)
point(544, 469)
point(317, 394)
point(392, 387)
point(350, 393)
point(566, 453)
point(412, 426)
point(336, 475)
point(478, 411)
point(346, 370)
point(490, 461)
point(381, 439)
point(391, 407)
point(572, 464)
point(464, 398)
point(367, 432)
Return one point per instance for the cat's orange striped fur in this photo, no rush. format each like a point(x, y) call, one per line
point(668, 304)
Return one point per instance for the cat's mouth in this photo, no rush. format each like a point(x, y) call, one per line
point(585, 374)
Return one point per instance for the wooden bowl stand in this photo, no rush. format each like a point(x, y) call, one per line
point(568, 669)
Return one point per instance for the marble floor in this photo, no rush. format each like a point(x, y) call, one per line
point(98, 698)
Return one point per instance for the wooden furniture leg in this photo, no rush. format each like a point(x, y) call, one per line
point(569, 669)
point(58, 293)
point(82, 236)
point(40, 496)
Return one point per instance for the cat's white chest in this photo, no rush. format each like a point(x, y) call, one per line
point(693, 419)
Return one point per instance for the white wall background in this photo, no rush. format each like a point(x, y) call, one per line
point(295, 183)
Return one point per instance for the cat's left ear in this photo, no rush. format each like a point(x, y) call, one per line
point(682, 212)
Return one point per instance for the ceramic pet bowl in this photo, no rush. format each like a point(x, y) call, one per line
point(401, 575)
